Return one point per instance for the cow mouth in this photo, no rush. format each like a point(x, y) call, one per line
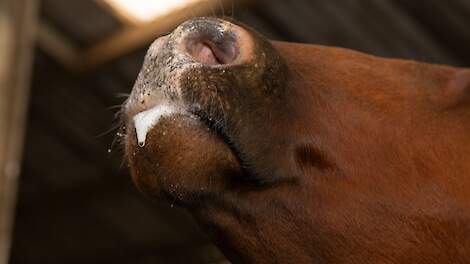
point(147, 120)
point(218, 127)
point(144, 122)
point(181, 147)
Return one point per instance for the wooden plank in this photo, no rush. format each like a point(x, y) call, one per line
point(17, 20)
point(127, 39)
point(131, 37)
point(57, 46)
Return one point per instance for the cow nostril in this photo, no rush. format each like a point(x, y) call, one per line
point(209, 52)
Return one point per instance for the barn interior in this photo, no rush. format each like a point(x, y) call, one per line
point(66, 67)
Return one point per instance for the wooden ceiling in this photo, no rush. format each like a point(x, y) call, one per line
point(76, 203)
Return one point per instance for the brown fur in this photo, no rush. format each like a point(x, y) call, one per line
point(324, 155)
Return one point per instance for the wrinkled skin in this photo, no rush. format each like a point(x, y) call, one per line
point(294, 153)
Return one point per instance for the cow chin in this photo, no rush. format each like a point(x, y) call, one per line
point(183, 160)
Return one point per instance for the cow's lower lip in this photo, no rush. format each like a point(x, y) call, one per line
point(146, 120)
point(213, 125)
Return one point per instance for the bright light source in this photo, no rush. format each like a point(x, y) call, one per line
point(147, 10)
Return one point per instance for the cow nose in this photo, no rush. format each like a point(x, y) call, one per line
point(212, 41)
point(206, 50)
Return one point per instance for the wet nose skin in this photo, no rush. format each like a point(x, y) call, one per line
point(205, 49)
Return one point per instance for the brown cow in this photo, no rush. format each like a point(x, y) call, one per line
point(291, 153)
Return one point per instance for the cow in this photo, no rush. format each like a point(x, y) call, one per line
point(295, 153)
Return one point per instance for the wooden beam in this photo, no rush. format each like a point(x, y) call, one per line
point(17, 20)
point(127, 39)
point(58, 47)
point(119, 13)
point(133, 37)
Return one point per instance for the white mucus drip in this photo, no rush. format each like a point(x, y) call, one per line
point(144, 121)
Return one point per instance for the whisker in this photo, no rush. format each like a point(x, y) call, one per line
point(211, 7)
point(120, 138)
point(224, 115)
point(221, 5)
point(123, 162)
point(113, 143)
point(191, 11)
point(233, 8)
point(164, 33)
point(117, 139)
point(114, 107)
point(118, 115)
point(122, 95)
point(113, 128)
point(124, 155)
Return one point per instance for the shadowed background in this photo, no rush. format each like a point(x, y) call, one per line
point(76, 203)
